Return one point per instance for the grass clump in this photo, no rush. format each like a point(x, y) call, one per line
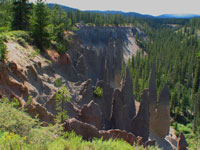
point(98, 92)
point(19, 36)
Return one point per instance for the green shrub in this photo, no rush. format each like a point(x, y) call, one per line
point(4, 29)
point(14, 120)
point(98, 92)
point(2, 50)
point(58, 82)
point(15, 103)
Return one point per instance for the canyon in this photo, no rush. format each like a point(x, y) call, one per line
point(94, 59)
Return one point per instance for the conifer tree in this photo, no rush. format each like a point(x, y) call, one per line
point(39, 23)
point(21, 12)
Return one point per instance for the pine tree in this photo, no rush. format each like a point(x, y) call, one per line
point(21, 13)
point(5, 13)
point(39, 23)
point(60, 23)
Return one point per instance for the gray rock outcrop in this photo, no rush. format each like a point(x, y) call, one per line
point(152, 92)
point(91, 114)
point(163, 113)
point(159, 112)
point(82, 68)
point(119, 119)
point(140, 124)
point(86, 93)
point(104, 49)
point(105, 103)
point(86, 130)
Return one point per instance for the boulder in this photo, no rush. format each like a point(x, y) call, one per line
point(85, 130)
point(126, 136)
point(91, 114)
point(119, 134)
point(127, 93)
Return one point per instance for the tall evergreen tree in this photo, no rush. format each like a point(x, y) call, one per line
point(21, 13)
point(39, 23)
point(5, 13)
point(60, 23)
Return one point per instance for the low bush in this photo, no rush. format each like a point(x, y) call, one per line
point(22, 42)
point(11, 141)
point(58, 82)
point(15, 121)
point(98, 92)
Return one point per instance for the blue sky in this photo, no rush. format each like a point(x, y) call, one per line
point(152, 7)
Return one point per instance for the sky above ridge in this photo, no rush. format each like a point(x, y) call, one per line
point(152, 7)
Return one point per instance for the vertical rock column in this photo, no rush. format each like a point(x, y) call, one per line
point(152, 99)
point(119, 119)
point(163, 113)
point(127, 93)
point(152, 92)
point(140, 124)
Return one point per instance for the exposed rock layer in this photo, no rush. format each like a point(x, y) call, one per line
point(95, 53)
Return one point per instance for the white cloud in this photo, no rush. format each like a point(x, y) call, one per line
point(153, 7)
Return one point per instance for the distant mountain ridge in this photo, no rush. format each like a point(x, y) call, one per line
point(128, 14)
point(133, 14)
point(178, 16)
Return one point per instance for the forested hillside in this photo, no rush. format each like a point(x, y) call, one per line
point(171, 45)
point(174, 51)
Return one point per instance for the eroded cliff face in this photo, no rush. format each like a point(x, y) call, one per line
point(94, 58)
point(102, 51)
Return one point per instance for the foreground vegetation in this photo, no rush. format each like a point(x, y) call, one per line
point(18, 131)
